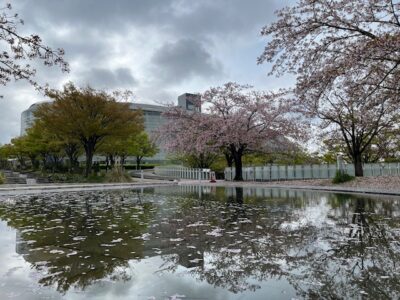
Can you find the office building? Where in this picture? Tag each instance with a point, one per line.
(152, 114)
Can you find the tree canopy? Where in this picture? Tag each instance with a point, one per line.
(89, 116)
(237, 120)
(346, 57)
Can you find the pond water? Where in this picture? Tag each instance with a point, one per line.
(199, 243)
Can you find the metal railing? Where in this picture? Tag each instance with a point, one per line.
(299, 172)
(178, 172)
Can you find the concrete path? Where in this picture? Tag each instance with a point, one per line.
(60, 187)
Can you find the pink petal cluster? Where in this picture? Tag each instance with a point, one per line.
(236, 120)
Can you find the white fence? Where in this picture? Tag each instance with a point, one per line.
(274, 172)
(183, 173)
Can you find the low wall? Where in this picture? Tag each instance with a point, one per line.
(299, 172)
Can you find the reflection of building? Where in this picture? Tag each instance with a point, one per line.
(153, 118)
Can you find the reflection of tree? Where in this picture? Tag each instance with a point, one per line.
(359, 221)
(78, 241)
(362, 260)
(342, 256)
(227, 241)
(231, 238)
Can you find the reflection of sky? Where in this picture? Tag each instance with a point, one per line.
(147, 282)
(316, 215)
(19, 281)
(306, 224)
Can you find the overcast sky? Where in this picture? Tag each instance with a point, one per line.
(159, 49)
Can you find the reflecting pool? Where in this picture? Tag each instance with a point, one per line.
(191, 242)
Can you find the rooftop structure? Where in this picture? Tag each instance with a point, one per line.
(190, 102)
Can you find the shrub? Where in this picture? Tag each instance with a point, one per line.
(72, 178)
(341, 177)
(63, 177)
(2, 178)
(117, 174)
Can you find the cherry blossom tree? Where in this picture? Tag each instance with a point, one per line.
(18, 49)
(184, 136)
(237, 120)
(346, 57)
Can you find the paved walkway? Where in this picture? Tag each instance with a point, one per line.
(142, 183)
(59, 187)
(394, 191)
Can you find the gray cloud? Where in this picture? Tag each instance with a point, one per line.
(106, 15)
(103, 78)
(207, 17)
(182, 60)
(225, 18)
(158, 48)
(9, 121)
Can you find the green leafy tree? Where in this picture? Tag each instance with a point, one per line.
(89, 116)
(114, 148)
(40, 143)
(141, 146)
(5, 154)
(56, 144)
(197, 160)
(383, 147)
(19, 150)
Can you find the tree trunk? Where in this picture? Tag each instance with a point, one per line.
(358, 167)
(107, 163)
(138, 160)
(229, 159)
(34, 162)
(44, 160)
(112, 160)
(89, 160)
(73, 162)
(71, 149)
(123, 159)
(237, 157)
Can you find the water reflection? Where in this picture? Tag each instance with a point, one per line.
(320, 245)
(78, 238)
